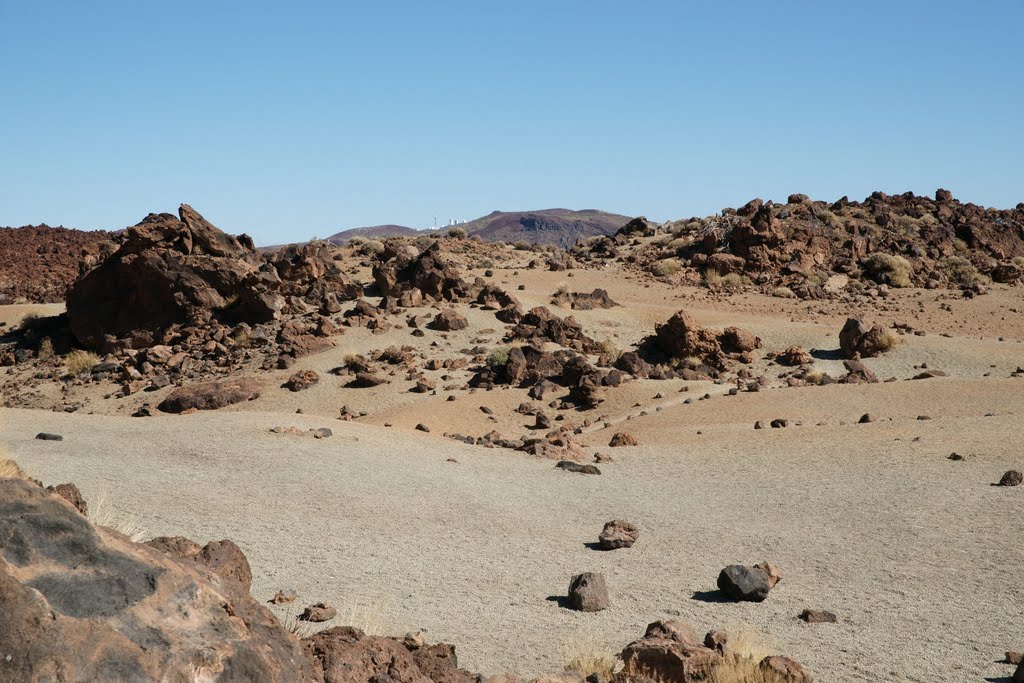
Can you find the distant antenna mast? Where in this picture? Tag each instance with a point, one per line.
(435, 222)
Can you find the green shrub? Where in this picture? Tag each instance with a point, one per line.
(457, 233)
(887, 269)
(371, 248)
(497, 359)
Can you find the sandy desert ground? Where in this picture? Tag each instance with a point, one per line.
(917, 554)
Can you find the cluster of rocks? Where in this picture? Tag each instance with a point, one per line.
(804, 244)
(546, 372)
(681, 339)
(672, 651)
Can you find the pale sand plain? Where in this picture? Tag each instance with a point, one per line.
(918, 555)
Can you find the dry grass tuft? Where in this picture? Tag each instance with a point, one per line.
(783, 293)
(103, 514)
(79, 361)
(666, 267)
(586, 654)
(745, 650)
(9, 469)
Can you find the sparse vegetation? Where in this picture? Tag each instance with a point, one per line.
(888, 269)
(961, 271)
(457, 233)
(497, 359)
(103, 514)
(79, 361)
(371, 248)
(746, 649)
(666, 267)
(587, 655)
(887, 342)
(45, 351)
(9, 469)
(783, 293)
(610, 350)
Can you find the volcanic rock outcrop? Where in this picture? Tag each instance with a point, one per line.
(183, 271)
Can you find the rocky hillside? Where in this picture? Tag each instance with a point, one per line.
(37, 262)
(812, 249)
(559, 227)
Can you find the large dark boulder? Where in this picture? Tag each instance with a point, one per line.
(168, 270)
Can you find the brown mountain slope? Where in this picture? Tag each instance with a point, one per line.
(373, 231)
(38, 262)
(560, 227)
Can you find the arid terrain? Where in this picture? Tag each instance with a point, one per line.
(834, 389)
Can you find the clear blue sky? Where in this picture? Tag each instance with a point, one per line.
(288, 120)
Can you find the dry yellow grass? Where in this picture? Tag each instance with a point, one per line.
(587, 654)
(9, 469)
(102, 513)
(744, 652)
(79, 361)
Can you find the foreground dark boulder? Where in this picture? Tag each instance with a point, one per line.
(83, 603)
(210, 395)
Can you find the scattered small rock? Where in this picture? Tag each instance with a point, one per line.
(47, 436)
(570, 466)
(814, 616)
(1011, 478)
(618, 533)
(319, 612)
(283, 597)
(621, 439)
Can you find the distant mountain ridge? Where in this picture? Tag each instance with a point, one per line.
(559, 227)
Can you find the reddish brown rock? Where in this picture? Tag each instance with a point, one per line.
(620, 439)
(303, 379)
(71, 494)
(211, 395)
(856, 338)
(794, 355)
(347, 655)
(222, 557)
(449, 320)
(815, 616)
(318, 612)
(669, 651)
(786, 670)
(618, 534)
